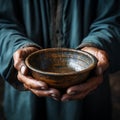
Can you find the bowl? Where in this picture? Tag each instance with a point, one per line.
(61, 67)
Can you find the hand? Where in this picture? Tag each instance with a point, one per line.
(82, 90)
(39, 88)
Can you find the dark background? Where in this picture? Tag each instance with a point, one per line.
(115, 89)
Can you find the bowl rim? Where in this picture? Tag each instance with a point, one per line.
(92, 66)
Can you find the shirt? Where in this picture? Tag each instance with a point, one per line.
(38, 22)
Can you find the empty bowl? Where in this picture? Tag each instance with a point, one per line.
(61, 67)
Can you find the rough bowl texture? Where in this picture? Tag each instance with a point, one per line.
(61, 67)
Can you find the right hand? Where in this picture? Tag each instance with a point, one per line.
(39, 88)
(80, 91)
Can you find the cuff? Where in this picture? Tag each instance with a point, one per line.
(31, 45)
(87, 44)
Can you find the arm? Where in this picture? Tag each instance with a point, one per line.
(105, 31)
(12, 37)
(12, 67)
(103, 42)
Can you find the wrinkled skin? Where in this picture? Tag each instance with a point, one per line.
(41, 89)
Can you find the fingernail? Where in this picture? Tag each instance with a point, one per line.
(72, 92)
(43, 88)
(53, 95)
(22, 69)
(55, 98)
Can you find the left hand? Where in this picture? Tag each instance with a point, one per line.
(82, 90)
(37, 87)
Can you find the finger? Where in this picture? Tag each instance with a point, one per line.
(98, 70)
(31, 82)
(103, 62)
(78, 96)
(20, 55)
(19, 64)
(53, 93)
(88, 86)
(102, 56)
(25, 87)
(18, 59)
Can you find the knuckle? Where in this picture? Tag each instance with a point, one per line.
(16, 58)
(38, 93)
(16, 64)
(18, 77)
(104, 59)
(17, 54)
(104, 55)
(29, 85)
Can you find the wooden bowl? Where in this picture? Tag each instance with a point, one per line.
(61, 67)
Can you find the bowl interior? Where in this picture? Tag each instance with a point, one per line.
(60, 61)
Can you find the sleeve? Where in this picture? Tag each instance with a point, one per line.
(105, 31)
(12, 37)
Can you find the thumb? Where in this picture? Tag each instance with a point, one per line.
(19, 64)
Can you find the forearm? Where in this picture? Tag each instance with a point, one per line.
(11, 39)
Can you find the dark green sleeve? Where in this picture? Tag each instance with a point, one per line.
(105, 31)
(12, 37)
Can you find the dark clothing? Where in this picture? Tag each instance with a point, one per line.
(60, 23)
